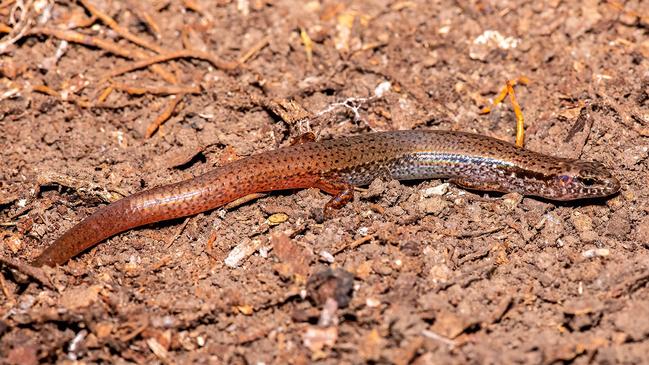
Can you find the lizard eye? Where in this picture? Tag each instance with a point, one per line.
(588, 181)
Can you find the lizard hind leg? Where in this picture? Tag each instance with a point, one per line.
(342, 193)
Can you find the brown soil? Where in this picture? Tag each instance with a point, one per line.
(402, 274)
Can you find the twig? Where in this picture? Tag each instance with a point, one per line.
(308, 46)
(33, 272)
(108, 46)
(473, 234)
(509, 90)
(83, 23)
(128, 337)
(82, 187)
(158, 90)
(20, 27)
(254, 49)
(434, 336)
(145, 17)
(241, 252)
(178, 232)
(105, 94)
(196, 7)
(68, 98)
(168, 111)
(355, 243)
(244, 200)
(520, 122)
(112, 24)
(187, 53)
(76, 37)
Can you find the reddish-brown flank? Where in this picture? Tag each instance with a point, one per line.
(469, 160)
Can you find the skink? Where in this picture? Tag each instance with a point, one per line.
(469, 160)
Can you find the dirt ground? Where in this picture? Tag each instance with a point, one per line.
(420, 272)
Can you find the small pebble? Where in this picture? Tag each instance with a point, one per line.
(382, 88)
(277, 218)
(598, 252)
(440, 189)
(372, 302)
(327, 257)
(362, 231)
